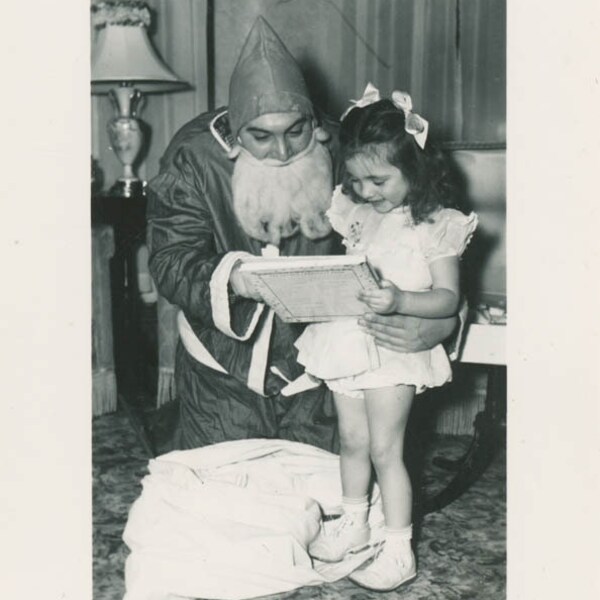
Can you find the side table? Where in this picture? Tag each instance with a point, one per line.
(484, 344)
(127, 218)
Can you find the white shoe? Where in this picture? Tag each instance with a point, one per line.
(338, 538)
(389, 569)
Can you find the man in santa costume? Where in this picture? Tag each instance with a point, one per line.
(254, 178)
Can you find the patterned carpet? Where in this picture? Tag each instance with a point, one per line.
(461, 550)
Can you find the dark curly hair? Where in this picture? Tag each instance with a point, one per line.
(379, 129)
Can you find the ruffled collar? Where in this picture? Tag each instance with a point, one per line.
(400, 210)
(403, 211)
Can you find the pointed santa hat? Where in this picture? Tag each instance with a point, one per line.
(266, 79)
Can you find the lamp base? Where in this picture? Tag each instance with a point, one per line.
(128, 188)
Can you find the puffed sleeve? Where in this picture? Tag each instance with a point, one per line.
(340, 211)
(448, 235)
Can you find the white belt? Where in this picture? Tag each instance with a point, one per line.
(260, 348)
(194, 346)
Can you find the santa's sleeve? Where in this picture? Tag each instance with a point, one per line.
(185, 266)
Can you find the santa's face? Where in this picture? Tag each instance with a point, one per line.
(277, 136)
(282, 178)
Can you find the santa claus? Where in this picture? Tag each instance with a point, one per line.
(254, 178)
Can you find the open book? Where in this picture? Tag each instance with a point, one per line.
(312, 288)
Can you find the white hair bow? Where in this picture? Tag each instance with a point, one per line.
(414, 124)
(370, 96)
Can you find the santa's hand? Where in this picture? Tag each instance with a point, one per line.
(243, 284)
(384, 300)
(403, 333)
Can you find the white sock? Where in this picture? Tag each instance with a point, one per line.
(357, 509)
(399, 538)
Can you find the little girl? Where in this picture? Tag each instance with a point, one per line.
(395, 207)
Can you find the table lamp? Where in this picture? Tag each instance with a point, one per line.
(124, 65)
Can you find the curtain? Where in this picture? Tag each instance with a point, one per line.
(483, 69)
(450, 55)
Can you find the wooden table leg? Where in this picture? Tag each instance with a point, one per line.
(489, 426)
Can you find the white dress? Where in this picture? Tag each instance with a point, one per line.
(339, 351)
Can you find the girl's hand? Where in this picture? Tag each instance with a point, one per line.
(385, 300)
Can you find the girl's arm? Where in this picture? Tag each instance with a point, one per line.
(441, 301)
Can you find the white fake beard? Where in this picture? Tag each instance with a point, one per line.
(273, 200)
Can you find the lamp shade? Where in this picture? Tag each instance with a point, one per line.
(124, 55)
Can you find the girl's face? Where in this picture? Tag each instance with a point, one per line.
(377, 181)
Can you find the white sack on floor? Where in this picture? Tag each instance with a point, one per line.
(233, 521)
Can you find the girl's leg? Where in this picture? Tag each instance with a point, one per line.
(350, 531)
(355, 461)
(387, 413)
(394, 563)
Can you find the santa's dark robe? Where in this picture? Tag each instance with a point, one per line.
(225, 392)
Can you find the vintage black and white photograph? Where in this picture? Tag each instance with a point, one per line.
(299, 299)
(255, 328)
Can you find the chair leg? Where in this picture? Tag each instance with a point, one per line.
(488, 427)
